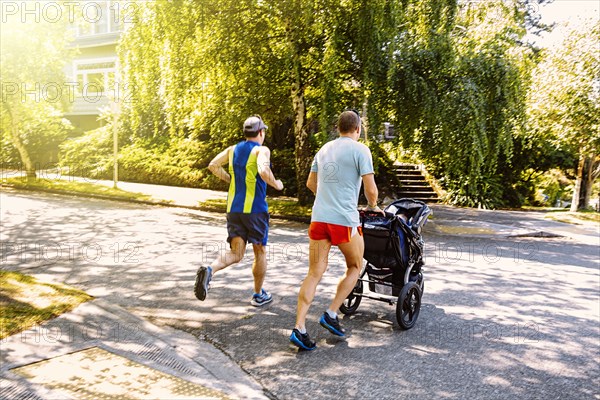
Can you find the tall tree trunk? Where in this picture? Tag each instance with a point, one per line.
(18, 143)
(586, 184)
(594, 175)
(578, 183)
(302, 145)
(364, 117)
(590, 174)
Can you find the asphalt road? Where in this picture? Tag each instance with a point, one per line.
(502, 318)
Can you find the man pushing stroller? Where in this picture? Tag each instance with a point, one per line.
(335, 178)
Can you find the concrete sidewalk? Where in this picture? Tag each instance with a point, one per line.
(101, 351)
(181, 196)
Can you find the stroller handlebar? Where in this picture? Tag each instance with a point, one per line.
(413, 214)
(370, 213)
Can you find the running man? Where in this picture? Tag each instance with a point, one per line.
(247, 210)
(335, 178)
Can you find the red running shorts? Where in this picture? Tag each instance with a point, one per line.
(336, 234)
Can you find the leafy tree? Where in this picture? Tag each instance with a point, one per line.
(564, 104)
(197, 68)
(34, 90)
(459, 77)
(451, 76)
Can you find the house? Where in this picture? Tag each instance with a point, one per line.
(94, 70)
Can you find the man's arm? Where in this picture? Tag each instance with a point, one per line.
(216, 165)
(371, 192)
(312, 181)
(264, 168)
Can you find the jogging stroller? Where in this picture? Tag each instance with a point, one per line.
(394, 260)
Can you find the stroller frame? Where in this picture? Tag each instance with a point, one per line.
(406, 284)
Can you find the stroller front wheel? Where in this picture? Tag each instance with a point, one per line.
(350, 305)
(409, 305)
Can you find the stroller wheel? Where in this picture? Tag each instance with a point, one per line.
(409, 305)
(350, 305)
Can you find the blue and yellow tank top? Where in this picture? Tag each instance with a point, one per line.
(247, 190)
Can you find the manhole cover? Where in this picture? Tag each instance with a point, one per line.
(97, 374)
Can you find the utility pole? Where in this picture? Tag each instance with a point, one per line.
(365, 120)
(115, 112)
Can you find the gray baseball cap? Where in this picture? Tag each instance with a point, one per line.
(254, 124)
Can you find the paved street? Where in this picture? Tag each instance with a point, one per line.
(502, 318)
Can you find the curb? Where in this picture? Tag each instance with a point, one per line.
(175, 353)
(301, 219)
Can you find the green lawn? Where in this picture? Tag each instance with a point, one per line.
(26, 302)
(574, 217)
(277, 207)
(74, 187)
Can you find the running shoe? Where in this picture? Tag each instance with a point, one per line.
(302, 340)
(259, 300)
(203, 277)
(332, 325)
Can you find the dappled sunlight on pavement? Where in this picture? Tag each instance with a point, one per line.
(502, 317)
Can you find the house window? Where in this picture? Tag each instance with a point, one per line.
(96, 76)
(100, 16)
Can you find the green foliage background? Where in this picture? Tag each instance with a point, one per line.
(453, 77)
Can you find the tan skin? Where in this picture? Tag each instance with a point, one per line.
(319, 251)
(238, 246)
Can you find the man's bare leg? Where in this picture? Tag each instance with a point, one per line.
(232, 256)
(259, 266)
(317, 264)
(204, 275)
(353, 252)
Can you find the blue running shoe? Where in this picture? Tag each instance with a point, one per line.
(302, 340)
(203, 277)
(259, 300)
(332, 325)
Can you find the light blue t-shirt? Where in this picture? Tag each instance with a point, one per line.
(339, 165)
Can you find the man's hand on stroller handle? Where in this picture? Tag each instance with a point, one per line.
(374, 209)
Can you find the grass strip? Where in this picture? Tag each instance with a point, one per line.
(74, 187)
(26, 302)
(277, 207)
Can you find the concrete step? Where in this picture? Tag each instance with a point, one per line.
(406, 170)
(416, 189)
(425, 199)
(410, 177)
(418, 192)
(416, 186)
(427, 195)
(408, 173)
(413, 182)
